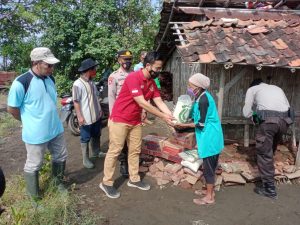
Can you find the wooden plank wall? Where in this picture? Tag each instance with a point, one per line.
(235, 97)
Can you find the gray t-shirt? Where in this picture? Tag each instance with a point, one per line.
(85, 93)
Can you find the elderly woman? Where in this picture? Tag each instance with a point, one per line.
(209, 135)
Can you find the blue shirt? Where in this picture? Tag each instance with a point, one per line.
(36, 98)
(138, 66)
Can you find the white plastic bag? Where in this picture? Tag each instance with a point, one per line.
(183, 108)
(189, 155)
(192, 166)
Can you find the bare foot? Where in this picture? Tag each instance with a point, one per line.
(201, 192)
(203, 201)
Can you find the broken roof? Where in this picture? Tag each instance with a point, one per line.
(257, 40)
(219, 35)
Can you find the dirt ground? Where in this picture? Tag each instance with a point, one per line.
(167, 206)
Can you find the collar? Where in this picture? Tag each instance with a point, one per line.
(37, 76)
(201, 95)
(84, 78)
(121, 71)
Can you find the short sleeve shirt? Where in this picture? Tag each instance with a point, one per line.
(126, 109)
(115, 83)
(85, 93)
(36, 98)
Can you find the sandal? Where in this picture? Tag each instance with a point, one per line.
(202, 192)
(203, 201)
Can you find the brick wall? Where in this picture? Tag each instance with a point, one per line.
(6, 77)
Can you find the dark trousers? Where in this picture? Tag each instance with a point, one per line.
(123, 157)
(267, 137)
(89, 131)
(209, 168)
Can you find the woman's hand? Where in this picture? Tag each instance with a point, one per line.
(183, 125)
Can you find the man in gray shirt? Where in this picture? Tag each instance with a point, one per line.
(88, 111)
(272, 114)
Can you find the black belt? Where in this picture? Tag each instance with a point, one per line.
(270, 113)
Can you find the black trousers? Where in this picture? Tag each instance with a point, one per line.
(267, 137)
(209, 168)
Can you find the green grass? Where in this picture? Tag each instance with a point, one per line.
(7, 124)
(54, 207)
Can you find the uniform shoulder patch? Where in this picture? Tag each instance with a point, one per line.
(110, 80)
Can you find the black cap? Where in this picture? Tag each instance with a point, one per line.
(124, 53)
(87, 64)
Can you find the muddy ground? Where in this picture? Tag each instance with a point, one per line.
(171, 205)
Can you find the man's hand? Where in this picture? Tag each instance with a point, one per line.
(168, 119)
(81, 120)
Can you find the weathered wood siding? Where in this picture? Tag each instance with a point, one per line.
(235, 97)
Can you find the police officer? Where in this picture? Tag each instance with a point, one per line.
(272, 114)
(115, 83)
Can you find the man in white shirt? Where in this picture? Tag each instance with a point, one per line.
(272, 114)
(88, 111)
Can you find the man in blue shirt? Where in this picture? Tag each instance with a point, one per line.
(32, 100)
(140, 65)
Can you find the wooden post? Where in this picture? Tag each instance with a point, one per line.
(294, 144)
(297, 162)
(221, 93)
(246, 135)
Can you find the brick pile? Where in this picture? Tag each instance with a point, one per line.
(237, 166)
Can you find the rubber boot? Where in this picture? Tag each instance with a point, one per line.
(85, 156)
(58, 170)
(268, 190)
(95, 145)
(32, 184)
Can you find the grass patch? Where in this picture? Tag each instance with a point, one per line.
(3, 98)
(54, 208)
(7, 124)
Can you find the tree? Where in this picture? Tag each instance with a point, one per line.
(75, 30)
(17, 25)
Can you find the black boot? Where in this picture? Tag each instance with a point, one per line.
(124, 169)
(58, 169)
(32, 184)
(268, 190)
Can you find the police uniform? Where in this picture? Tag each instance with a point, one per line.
(273, 111)
(115, 83)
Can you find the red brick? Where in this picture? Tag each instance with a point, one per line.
(162, 181)
(153, 143)
(176, 167)
(160, 165)
(187, 140)
(190, 172)
(166, 176)
(191, 179)
(153, 169)
(143, 169)
(158, 174)
(168, 168)
(172, 149)
(184, 184)
(233, 178)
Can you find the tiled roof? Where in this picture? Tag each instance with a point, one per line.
(266, 41)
